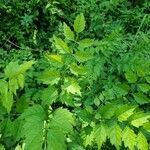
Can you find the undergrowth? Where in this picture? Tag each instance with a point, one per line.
(75, 75)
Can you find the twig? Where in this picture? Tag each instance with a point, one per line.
(15, 44)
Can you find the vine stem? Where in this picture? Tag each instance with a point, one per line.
(17, 45)
(14, 44)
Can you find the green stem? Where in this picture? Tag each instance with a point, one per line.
(134, 39)
(142, 22)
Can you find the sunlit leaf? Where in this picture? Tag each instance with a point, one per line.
(79, 23)
(67, 32)
(61, 45)
(100, 133)
(129, 138)
(142, 143)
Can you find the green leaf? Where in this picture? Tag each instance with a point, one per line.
(86, 43)
(60, 124)
(125, 111)
(25, 66)
(82, 56)
(5, 127)
(33, 132)
(115, 134)
(11, 69)
(125, 115)
(20, 147)
(75, 146)
(21, 80)
(100, 134)
(141, 71)
(144, 87)
(62, 120)
(13, 85)
(49, 77)
(67, 32)
(3, 87)
(79, 23)
(142, 143)
(139, 119)
(61, 45)
(17, 129)
(72, 86)
(55, 140)
(131, 76)
(121, 89)
(146, 126)
(55, 58)
(34, 111)
(147, 79)
(78, 69)
(129, 138)
(97, 101)
(33, 127)
(2, 147)
(141, 98)
(49, 95)
(107, 111)
(23, 103)
(88, 139)
(66, 98)
(3, 111)
(7, 101)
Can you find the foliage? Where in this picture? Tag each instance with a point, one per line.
(90, 90)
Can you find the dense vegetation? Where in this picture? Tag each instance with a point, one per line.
(75, 74)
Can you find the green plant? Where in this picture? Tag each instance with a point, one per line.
(28, 25)
(88, 94)
(116, 111)
(12, 81)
